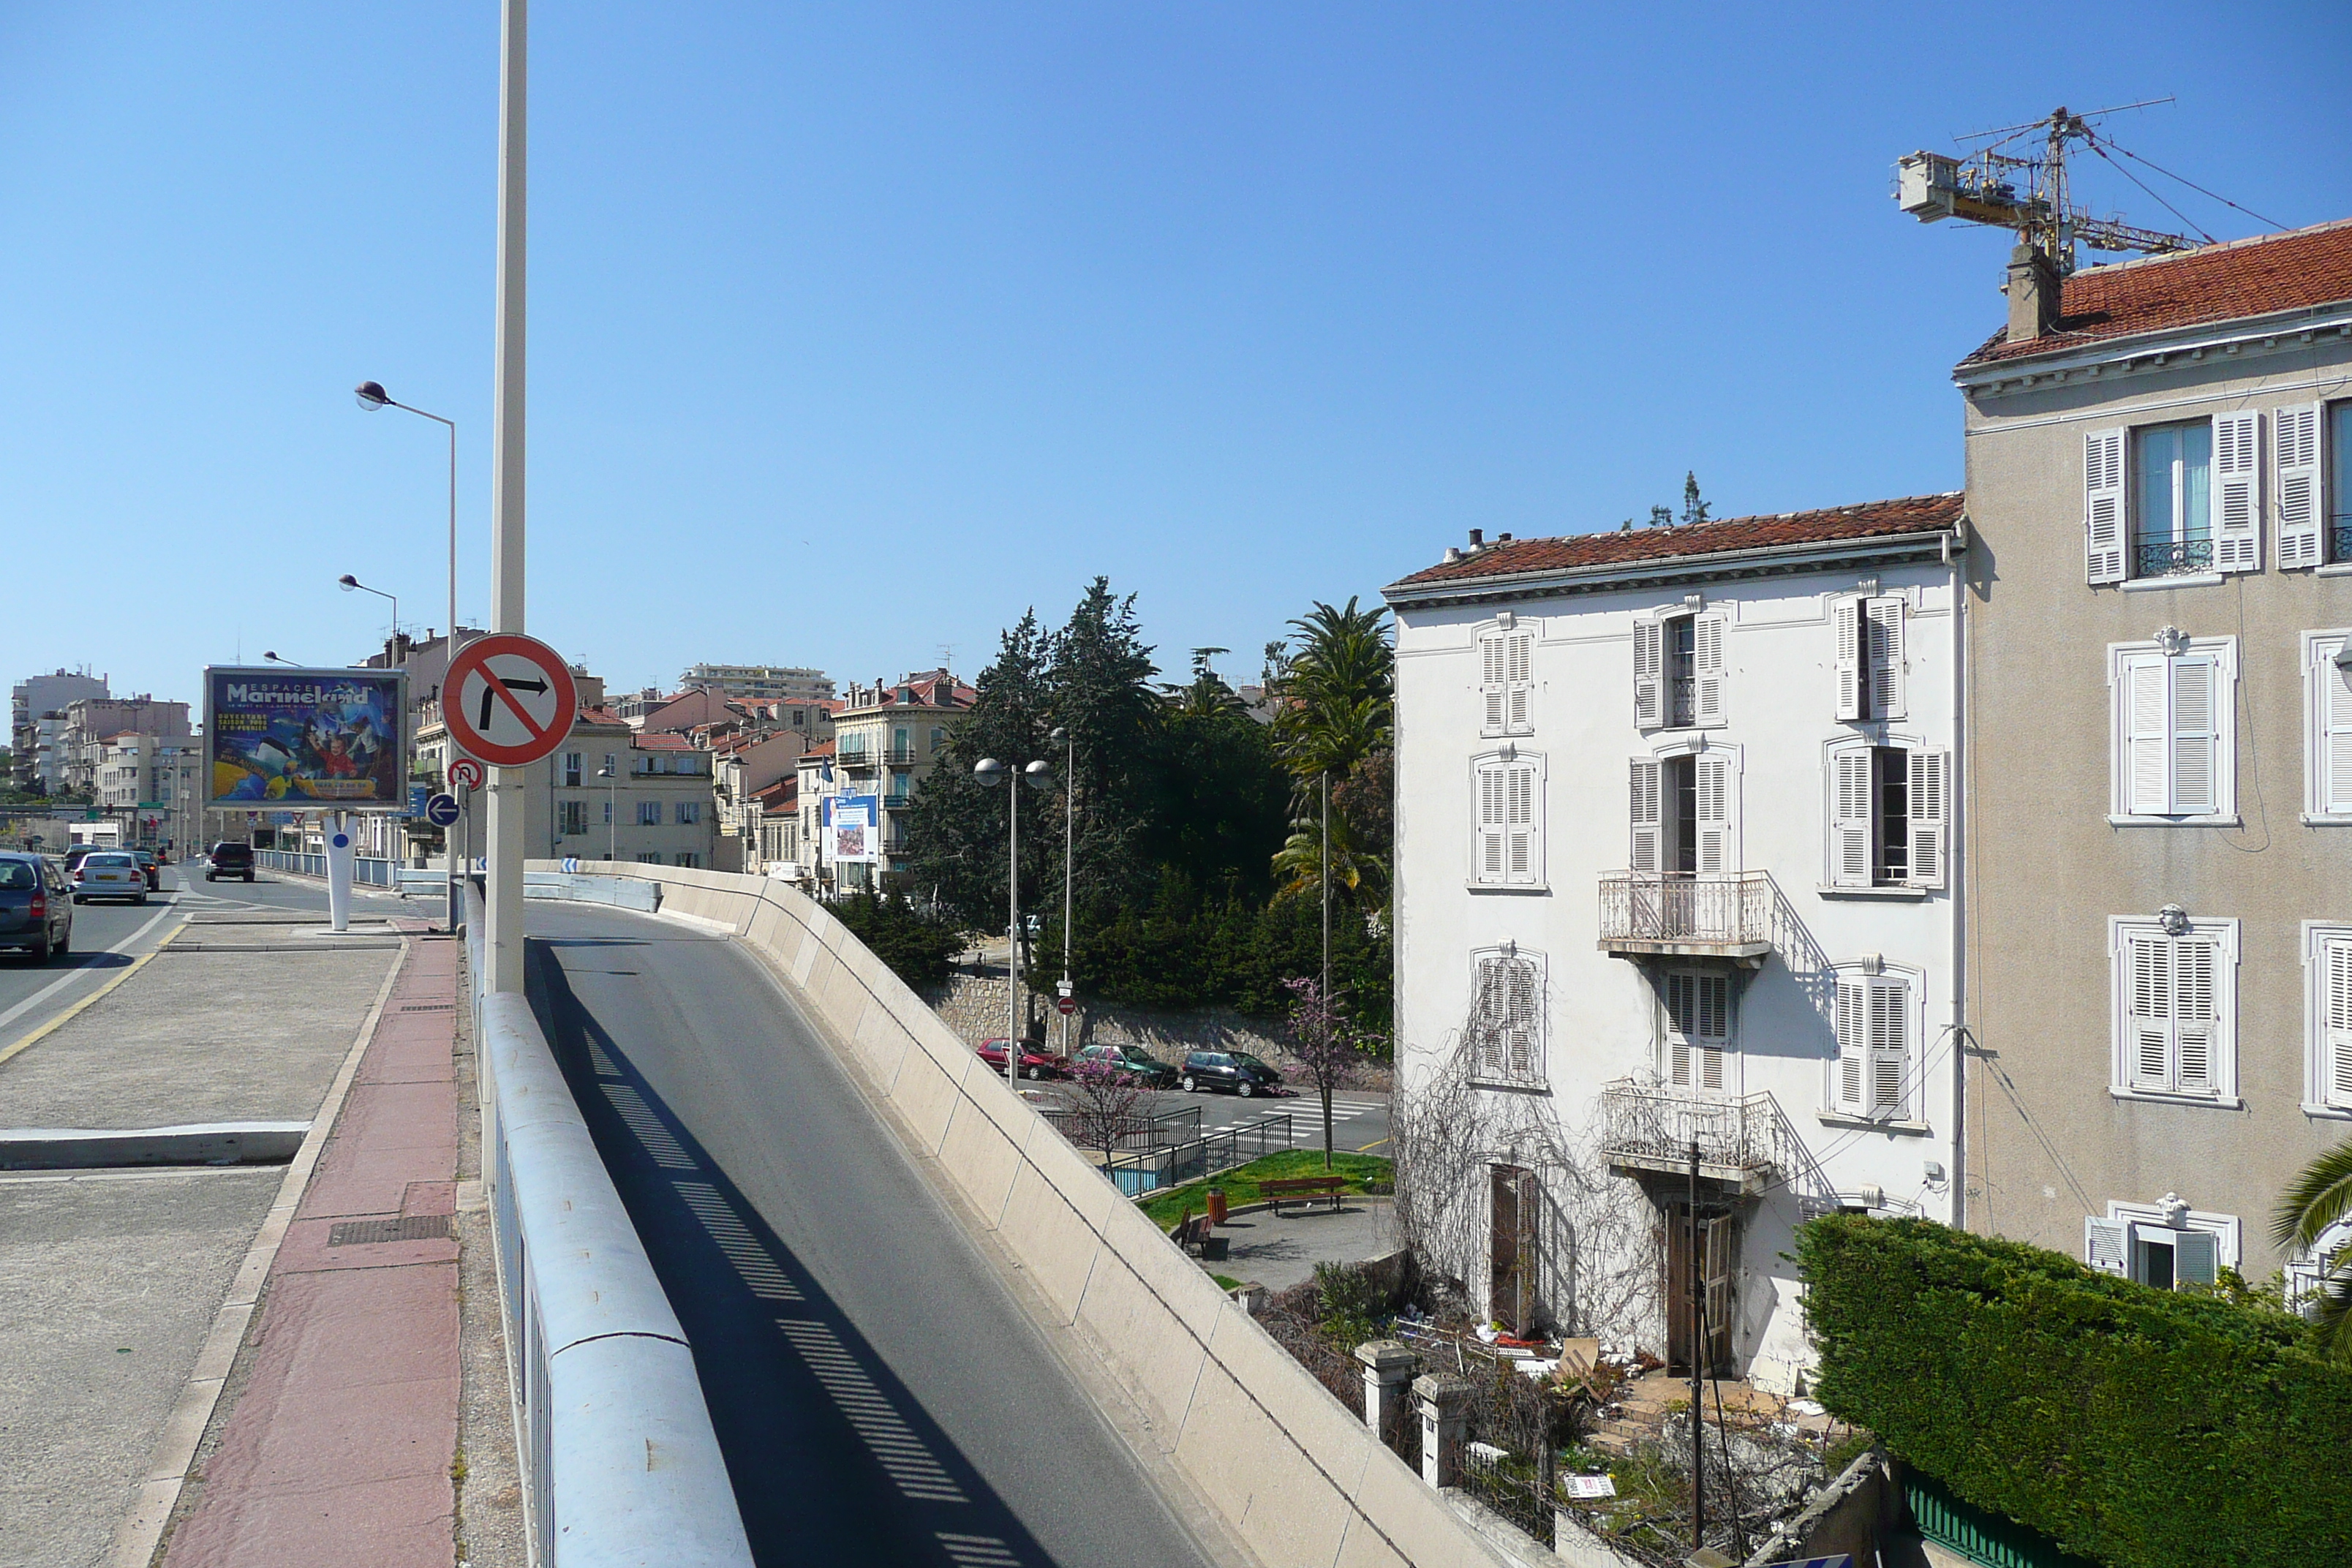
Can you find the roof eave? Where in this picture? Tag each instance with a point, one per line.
(1775, 560)
(2302, 323)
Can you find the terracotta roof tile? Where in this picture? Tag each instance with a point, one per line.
(664, 742)
(1529, 557)
(2297, 270)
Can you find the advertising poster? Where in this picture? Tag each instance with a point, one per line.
(852, 828)
(306, 739)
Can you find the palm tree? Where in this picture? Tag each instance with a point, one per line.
(2319, 1196)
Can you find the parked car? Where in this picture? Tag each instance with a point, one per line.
(229, 858)
(1036, 1062)
(151, 866)
(108, 874)
(36, 909)
(1129, 1061)
(1239, 1071)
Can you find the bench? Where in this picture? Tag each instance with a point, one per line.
(1199, 1237)
(1305, 1188)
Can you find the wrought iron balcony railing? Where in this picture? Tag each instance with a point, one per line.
(2339, 543)
(1726, 916)
(1743, 1142)
(2171, 557)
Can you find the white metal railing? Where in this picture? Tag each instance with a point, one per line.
(366, 871)
(1661, 1125)
(1733, 910)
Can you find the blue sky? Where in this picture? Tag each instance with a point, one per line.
(858, 329)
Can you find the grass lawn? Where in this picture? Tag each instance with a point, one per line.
(1165, 1208)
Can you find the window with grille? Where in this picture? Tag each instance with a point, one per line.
(1678, 670)
(2175, 729)
(1698, 1029)
(1506, 1024)
(2176, 1004)
(1507, 842)
(1878, 1045)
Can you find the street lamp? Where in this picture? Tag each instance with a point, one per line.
(1069, 845)
(989, 770)
(347, 583)
(612, 812)
(373, 396)
(291, 664)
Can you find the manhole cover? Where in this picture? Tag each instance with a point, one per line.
(415, 1228)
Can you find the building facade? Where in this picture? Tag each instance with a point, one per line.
(1673, 844)
(885, 739)
(36, 708)
(762, 681)
(2160, 479)
(92, 722)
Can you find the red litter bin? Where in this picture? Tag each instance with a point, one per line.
(1216, 1206)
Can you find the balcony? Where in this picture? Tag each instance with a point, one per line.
(1645, 915)
(2172, 557)
(899, 756)
(2340, 542)
(1743, 1144)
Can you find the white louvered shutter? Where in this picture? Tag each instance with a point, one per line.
(2103, 506)
(2336, 1021)
(2147, 736)
(1494, 789)
(2237, 491)
(1850, 814)
(2196, 1024)
(1649, 672)
(1647, 825)
(1492, 680)
(2332, 725)
(1845, 620)
(1522, 1022)
(1494, 1002)
(1519, 825)
(1698, 1009)
(1890, 1056)
(1853, 1024)
(1707, 668)
(1518, 682)
(1682, 1010)
(2302, 507)
(1885, 654)
(2106, 1244)
(1930, 808)
(1715, 805)
(2196, 1257)
(2197, 760)
(2148, 1011)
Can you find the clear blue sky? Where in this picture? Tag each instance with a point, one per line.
(856, 328)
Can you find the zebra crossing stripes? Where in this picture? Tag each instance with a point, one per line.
(752, 1261)
(641, 1120)
(874, 1418)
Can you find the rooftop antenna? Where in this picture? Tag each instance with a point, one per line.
(1983, 188)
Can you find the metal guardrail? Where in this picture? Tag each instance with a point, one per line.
(1148, 1170)
(1730, 910)
(620, 1466)
(366, 872)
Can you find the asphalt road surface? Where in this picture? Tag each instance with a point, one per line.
(878, 1394)
(1359, 1122)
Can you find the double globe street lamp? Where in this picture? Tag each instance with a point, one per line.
(989, 770)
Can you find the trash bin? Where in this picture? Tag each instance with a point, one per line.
(1216, 1206)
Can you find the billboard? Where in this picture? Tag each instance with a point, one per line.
(306, 739)
(852, 828)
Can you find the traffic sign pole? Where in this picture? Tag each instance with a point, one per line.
(503, 943)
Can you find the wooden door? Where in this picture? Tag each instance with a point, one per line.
(1716, 1238)
(1514, 1206)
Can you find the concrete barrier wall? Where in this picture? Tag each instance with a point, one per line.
(620, 1466)
(1294, 1472)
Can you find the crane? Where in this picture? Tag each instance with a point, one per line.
(1983, 187)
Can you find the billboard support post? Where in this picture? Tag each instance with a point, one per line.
(503, 939)
(339, 871)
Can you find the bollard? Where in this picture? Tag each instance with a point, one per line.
(1389, 1369)
(1444, 1415)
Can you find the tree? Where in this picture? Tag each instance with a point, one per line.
(917, 947)
(1695, 511)
(2319, 1196)
(1098, 688)
(1103, 1100)
(1328, 1048)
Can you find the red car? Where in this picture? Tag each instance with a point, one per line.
(1034, 1063)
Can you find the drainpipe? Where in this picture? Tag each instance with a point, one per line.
(1959, 863)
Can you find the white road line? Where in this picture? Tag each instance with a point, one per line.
(71, 975)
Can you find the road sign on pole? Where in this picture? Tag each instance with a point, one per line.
(1065, 1006)
(465, 773)
(441, 811)
(509, 699)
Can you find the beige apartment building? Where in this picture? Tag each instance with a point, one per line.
(2158, 891)
(886, 738)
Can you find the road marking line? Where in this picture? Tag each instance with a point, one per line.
(1373, 1145)
(69, 976)
(138, 963)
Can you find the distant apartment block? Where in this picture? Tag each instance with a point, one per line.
(34, 762)
(762, 681)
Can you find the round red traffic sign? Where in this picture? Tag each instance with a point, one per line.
(1065, 1006)
(465, 773)
(509, 699)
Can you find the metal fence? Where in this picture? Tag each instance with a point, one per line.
(366, 871)
(1162, 1130)
(1148, 1170)
(1734, 910)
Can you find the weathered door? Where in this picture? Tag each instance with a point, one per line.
(1515, 1205)
(1716, 1239)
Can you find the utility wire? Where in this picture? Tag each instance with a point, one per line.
(2101, 150)
(2195, 186)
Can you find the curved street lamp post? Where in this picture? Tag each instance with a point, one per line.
(989, 770)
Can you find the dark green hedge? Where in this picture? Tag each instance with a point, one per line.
(2142, 1428)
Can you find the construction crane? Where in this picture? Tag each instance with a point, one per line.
(1983, 187)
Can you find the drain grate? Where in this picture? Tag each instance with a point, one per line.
(427, 1007)
(415, 1228)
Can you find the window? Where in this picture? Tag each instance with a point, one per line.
(1506, 1033)
(2191, 502)
(2176, 989)
(1877, 1034)
(649, 814)
(1870, 657)
(571, 770)
(608, 803)
(2175, 742)
(1698, 1028)
(651, 858)
(690, 812)
(1506, 681)
(1677, 669)
(688, 859)
(1888, 807)
(1506, 850)
(574, 817)
(1684, 816)
(2328, 727)
(2165, 1245)
(938, 739)
(2314, 525)
(2327, 981)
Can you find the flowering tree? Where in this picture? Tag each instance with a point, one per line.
(1328, 1048)
(1105, 1099)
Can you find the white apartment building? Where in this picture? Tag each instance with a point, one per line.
(1674, 838)
(765, 682)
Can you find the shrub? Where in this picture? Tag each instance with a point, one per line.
(918, 947)
(2141, 1428)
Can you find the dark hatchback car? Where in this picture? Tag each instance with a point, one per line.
(229, 858)
(36, 907)
(1238, 1071)
(1130, 1062)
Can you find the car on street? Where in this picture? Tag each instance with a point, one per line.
(151, 866)
(36, 909)
(1235, 1071)
(1129, 1061)
(79, 853)
(108, 874)
(229, 858)
(1035, 1062)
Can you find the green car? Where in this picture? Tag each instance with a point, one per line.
(1132, 1061)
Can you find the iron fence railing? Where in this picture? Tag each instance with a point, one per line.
(2171, 557)
(369, 872)
(1150, 1170)
(1134, 1132)
(1731, 910)
(1661, 1125)
(2339, 542)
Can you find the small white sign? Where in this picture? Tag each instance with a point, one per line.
(1585, 1488)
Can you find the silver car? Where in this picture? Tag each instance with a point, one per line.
(110, 874)
(36, 912)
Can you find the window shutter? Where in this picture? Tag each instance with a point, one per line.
(1681, 1007)
(2237, 491)
(2196, 1257)
(1519, 683)
(1698, 1025)
(1647, 823)
(1519, 827)
(1649, 670)
(1520, 1027)
(2333, 724)
(2103, 1245)
(1714, 1033)
(2103, 506)
(1845, 618)
(2194, 1022)
(1715, 853)
(1853, 1046)
(1850, 817)
(2196, 734)
(1492, 660)
(1884, 625)
(2301, 503)
(2336, 1021)
(2148, 1011)
(1492, 1005)
(1929, 799)
(1494, 789)
(2147, 737)
(1707, 668)
(1889, 1058)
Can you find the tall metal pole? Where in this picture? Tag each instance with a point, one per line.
(1012, 1031)
(448, 653)
(1326, 880)
(1069, 847)
(509, 802)
(1697, 1341)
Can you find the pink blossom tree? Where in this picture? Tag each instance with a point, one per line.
(1329, 1051)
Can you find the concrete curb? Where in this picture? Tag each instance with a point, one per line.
(195, 1143)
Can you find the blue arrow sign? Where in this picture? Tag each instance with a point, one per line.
(441, 811)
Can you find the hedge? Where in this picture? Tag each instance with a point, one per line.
(2142, 1428)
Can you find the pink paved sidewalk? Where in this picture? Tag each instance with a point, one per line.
(339, 1449)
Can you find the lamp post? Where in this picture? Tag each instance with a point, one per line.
(291, 664)
(347, 583)
(989, 770)
(612, 810)
(1069, 847)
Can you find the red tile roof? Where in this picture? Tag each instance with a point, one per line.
(2297, 270)
(1529, 557)
(661, 742)
(822, 749)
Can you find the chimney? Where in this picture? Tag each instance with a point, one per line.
(2033, 292)
(1477, 539)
